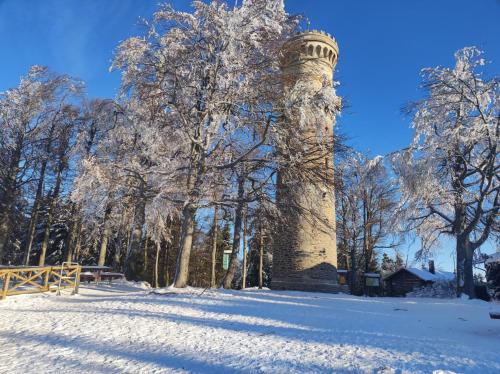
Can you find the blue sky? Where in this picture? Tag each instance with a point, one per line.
(383, 45)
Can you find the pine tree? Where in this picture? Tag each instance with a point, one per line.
(399, 262)
(388, 265)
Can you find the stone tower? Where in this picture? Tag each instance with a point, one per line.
(305, 252)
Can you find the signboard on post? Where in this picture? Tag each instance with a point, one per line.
(372, 284)
(225, 259)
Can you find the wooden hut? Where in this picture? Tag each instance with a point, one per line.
(493, 275)
(406, 280)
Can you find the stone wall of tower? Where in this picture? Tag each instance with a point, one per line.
(305, 251)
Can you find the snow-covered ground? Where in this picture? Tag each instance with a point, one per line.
(126, 329)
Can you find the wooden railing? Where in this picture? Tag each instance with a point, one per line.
(23, 280)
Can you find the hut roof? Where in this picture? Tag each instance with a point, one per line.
(425, 275)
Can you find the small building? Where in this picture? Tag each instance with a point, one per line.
(343, 277)
(406, 280)
(365, 283)
(493, 275)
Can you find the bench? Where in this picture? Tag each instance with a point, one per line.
(87, 277)
(99, 273)
(110, 276)
(495, 315)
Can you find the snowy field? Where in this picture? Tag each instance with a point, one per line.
(126, 329)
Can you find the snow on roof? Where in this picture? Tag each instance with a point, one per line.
(422, 274)
(495, 257)
(428, 276)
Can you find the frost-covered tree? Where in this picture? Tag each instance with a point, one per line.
(450, 173)
(61, 163)
(253, 187)
(98, 118)
(367, 198)
(30, 115)
(387, 265)
(109, 192)
(211, 77)
(261, 231)
(390, 265)
(61, 118)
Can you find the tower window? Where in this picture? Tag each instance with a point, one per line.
(318, 51)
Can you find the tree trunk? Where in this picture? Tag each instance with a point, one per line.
(75, 256)
(214, 247)
(353, 247)
(261, 258)
(50, 214)
(129, 240)
(131, 261)
(145, 262)
(469, 272)
(186, 242)
(46, 234)
(233, 262)
(465, 274)
(157, 262)
(34, 214)
(365, 248)
(118, 248)
(244, 277)
(352, 274)
(4, 234)
(166, 264)
(38, 196)
(105, 236)
(71, 236)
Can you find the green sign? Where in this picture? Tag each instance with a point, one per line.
(372, 282)
(225, 261)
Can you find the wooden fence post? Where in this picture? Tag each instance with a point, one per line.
(46, 279)
(5, 285)
(77, 279)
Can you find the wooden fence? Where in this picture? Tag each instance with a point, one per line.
(23, 280)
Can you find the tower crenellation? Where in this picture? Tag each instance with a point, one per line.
(310, 49)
